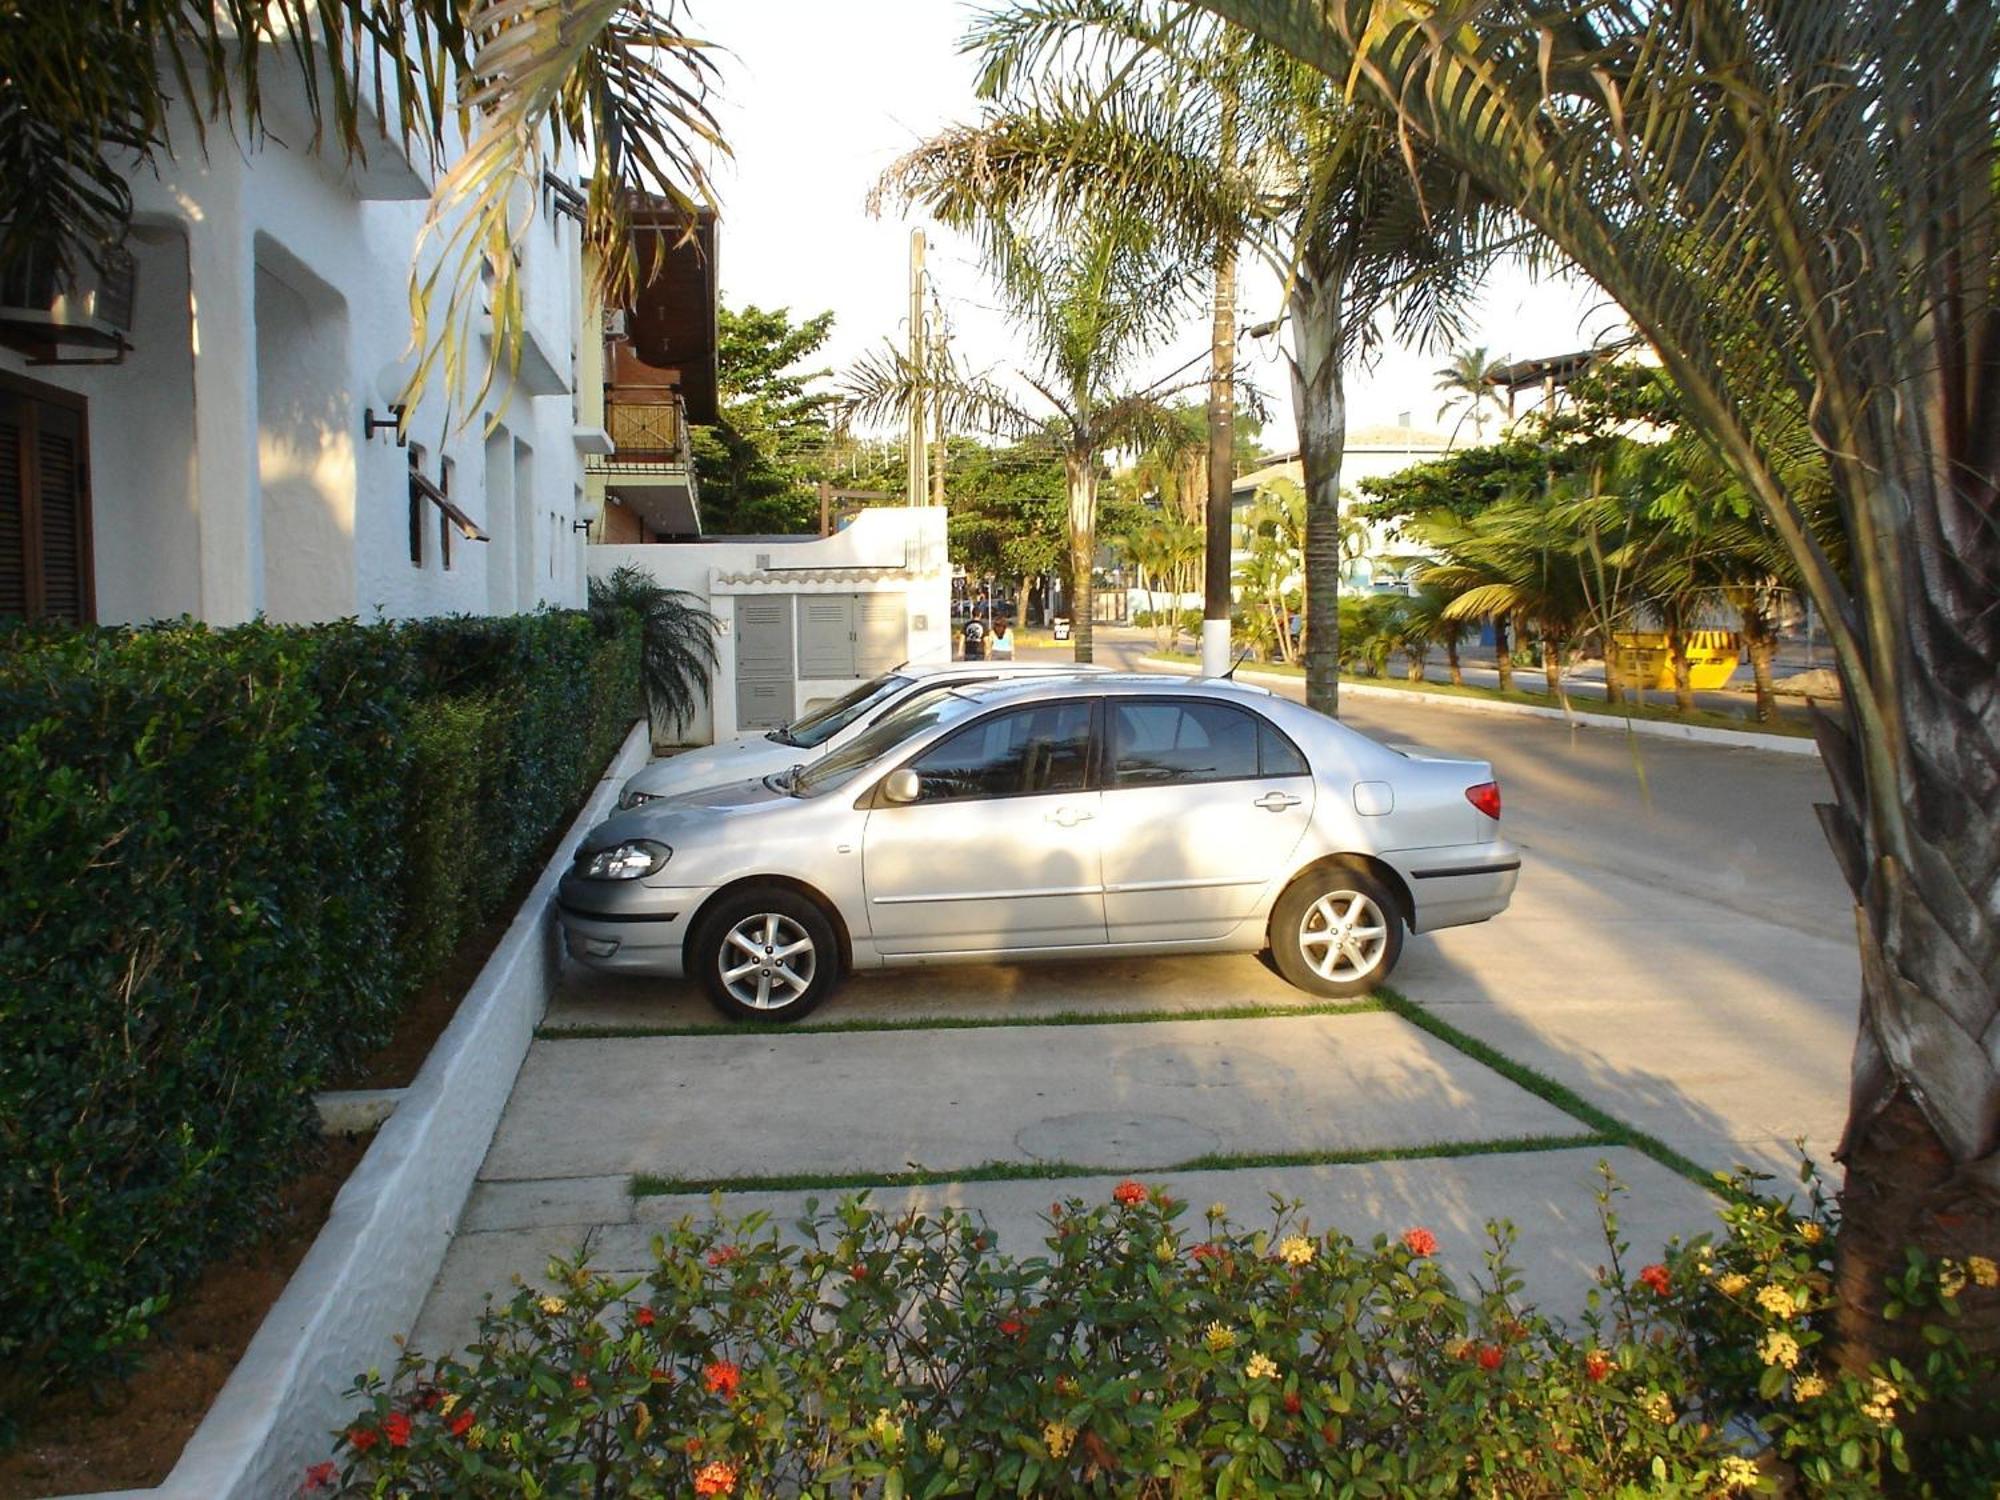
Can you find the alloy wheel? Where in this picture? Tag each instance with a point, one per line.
(1342, 936)
(767, 961)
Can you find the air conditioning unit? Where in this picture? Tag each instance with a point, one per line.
(614, 323)
(92, 308)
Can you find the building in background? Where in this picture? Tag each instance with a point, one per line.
(208, 429)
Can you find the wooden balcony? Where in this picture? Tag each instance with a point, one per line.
(646, 431)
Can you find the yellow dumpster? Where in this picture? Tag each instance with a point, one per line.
(1643, 659)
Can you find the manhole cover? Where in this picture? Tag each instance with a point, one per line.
(1111, 1138)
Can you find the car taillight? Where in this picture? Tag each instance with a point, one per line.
(1485, 797)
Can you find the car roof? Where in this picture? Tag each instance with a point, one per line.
(996, 669)
(1121, 684)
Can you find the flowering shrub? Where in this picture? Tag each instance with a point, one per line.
(1141, 1354)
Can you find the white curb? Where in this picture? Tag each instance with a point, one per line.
(365, 1278)
(1746, 739)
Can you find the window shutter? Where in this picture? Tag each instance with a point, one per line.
(65, 565)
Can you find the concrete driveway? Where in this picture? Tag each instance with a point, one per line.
(1678, 954)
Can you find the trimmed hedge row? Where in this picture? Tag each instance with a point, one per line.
(230, 858)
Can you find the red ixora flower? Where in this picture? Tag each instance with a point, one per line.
(461, 1422)
(722, 1378)
(361, 1439)
(858, 1271)
(1014, 1328)
(427, 1398)
(1129, 1192)
(1205, 1251)
(723, 1255)
(715, 1478)
(1656, 1277)
(320, 1476)
(579, 1381)
(1490, 1356)
(1420, 1242)
(644, 1317)
(1292, 1402)
(1597, 1364)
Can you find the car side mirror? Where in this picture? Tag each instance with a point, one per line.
(902, 785)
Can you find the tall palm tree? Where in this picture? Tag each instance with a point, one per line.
(1468, 390)
(495, 86)
(1091, 302)
(1133, 122)
(1798, 206)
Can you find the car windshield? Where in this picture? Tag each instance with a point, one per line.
(878, 740)
(823, 723)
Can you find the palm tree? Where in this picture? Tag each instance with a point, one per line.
(496, 85)
(1277, 553)
(1090, 302)
(1808, 244)
(1468, 388)
(676, 647)
(1135, 123)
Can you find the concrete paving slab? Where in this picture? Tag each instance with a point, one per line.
(1725, 1035)
(547, 1202)
(961, 992)
(1120, 1097)
(1549, 1196)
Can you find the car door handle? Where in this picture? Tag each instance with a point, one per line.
(1069, 817)
(1276, 801)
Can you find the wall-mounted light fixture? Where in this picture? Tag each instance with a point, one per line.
(372, 424)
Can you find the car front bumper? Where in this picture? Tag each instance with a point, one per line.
(626, 926)
(1458, 883)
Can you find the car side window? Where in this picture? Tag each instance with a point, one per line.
(1181, 743)
(1279, 755)
(1041, 748)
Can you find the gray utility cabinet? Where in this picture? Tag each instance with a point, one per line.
(783, 638)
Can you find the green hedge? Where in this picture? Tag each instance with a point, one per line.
(231, 857)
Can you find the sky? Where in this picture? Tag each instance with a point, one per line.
(818, 97)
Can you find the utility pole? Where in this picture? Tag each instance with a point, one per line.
(941, 350)
(919, 455)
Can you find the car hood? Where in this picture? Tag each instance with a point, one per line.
(672, 817)
(749, 755)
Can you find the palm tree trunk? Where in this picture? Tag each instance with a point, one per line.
(1614, 675)
(1503, 656)
(1081, 472)
(1221, 423)
(1021, 604)
(1762, 646)
(1552, 668)
(1319, 402)
(1677, 654)
(1451, 661)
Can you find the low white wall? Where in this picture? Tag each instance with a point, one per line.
(365, 1278)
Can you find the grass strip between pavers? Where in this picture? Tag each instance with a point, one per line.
(647, 1185)
(966, 1023)
(1610, 1130)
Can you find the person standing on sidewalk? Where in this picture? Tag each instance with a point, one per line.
(1002, 646)
(975, 641)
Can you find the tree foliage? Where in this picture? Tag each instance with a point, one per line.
(759, 464)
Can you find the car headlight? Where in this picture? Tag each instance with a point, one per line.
(631, 860)
(632, 799)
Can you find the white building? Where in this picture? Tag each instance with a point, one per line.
(231, 452)
(802, 618)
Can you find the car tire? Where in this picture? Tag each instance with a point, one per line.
(1307, 943)
(766, 954)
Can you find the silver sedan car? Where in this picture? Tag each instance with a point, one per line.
(1057, 818)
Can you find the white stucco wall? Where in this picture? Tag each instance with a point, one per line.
(894, 550)
(180, 452)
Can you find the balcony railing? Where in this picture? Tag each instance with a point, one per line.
(650, 430)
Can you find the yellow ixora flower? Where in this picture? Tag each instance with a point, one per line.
(1261, 1368)
(1737, 1474)
(1295, 1250)
(1811, 1233)
(1779, 1349)
(1220, 1337)
(553, 1305)
(1656, 1405)
(1218, 1210)
(884, 1428)
(1777, 1301)
(1881, 1403)
(1733, 1284)
(1983, 1270)
(1951, 1278)
(1058, 1437)
(933, 1442)
(1808, 1387)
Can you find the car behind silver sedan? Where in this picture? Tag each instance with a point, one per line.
(819, 731)
(1049, 819)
